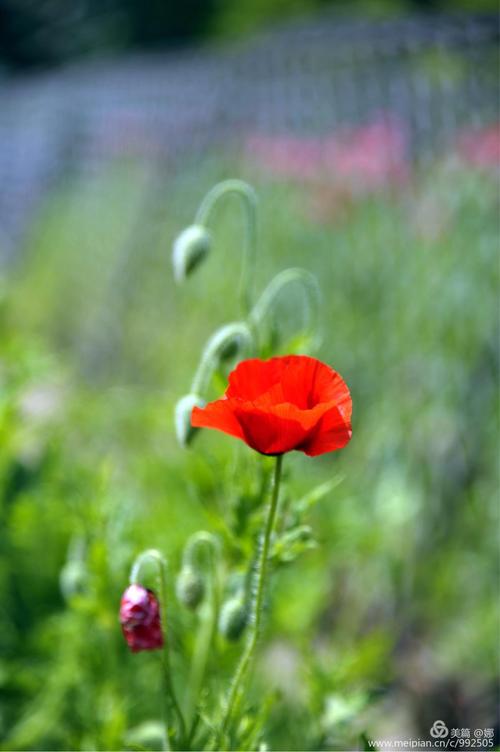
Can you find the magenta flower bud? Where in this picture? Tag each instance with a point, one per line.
(140, 619)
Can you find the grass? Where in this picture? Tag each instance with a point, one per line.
(393, 613)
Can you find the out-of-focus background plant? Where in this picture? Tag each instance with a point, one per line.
(374, 144)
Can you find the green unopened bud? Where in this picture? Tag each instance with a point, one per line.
(190, 248)
(185, 432)
(190, 588)
(238, 343)
(72, 578)
(233, 619)
(310, 304)
(226, 342)
(148, 735)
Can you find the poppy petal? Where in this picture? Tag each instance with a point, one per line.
(270, 432)
(298, 380)
(331, 387)
(332, 432)
(307, 418)
(282, 404)
(253, 377)
(218, 415)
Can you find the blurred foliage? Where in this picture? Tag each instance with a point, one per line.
(391, 615)
(46, 33)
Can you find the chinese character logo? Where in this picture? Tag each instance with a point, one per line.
(439, 730)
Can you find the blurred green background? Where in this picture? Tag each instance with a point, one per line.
(392, 621)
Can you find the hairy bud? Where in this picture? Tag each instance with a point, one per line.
(233, 619)
(140, 619)
(185, 432)
(72, 578)
(190, 248)
(190, 588)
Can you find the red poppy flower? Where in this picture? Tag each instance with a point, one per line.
(281, 404)
(140, 619)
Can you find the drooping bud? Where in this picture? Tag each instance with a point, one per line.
(238, 341)
(189, 250)
(147, 735)
(185, 432)
(73, 575)
(140, 619)
(309, 304)
(233, 618)
(227, 341)
(249, 198)
(190, 588)
(72, 578)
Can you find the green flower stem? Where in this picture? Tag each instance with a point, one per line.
(311, 301)
(249, 198)
(257, 608)
(204, 644)
(170, 696)
(208, 619)
(167, 670)
(215, 346)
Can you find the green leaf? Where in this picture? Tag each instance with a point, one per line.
(319, 492)
(147, 735)
(292, 544)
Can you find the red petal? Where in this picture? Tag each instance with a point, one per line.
(268, 432)
(285, 403)
(298, 379)
(252, 378)
(308, 382)
(332, 432)
(331, 387)
(218, 415)
(283, 409)
(144, 637)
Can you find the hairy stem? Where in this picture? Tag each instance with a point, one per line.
(310, 303)
(249, 198)
(167, 670)
(238, 331)
(169, 693)
(208, 622)
(246, 659)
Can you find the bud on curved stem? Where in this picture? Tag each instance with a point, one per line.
(73, 574)
(195, 545)
(184, 431)
(228, 340)
(233, 618)
(201, 543)
(190, 586)
(311, 300)
(249, 198)
(154, 555)
(189, 250)
(237, 334)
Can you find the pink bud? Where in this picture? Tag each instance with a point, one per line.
(140, 619)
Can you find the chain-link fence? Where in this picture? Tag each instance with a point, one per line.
(338, 110)
(431, 76)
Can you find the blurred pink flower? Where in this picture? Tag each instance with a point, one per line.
(286, 156)
(369, 157)
(359, 160)
(481, 148)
